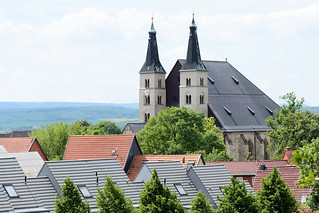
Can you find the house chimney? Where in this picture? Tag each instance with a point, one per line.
(262, 166)
(201, 153)
(155, 153)
(219, 160)
(287, 148)
(251, 159)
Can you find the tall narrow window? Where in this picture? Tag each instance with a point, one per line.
(201, 81)
(188, 82)
(147, 83)
(147, 116)
(201, 99)
(147, 100)
(159, 100)
(188, 99)
(159, 83)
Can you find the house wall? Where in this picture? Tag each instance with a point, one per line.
(240, 150)
(127, 131)
(249, 178)
(37, 148)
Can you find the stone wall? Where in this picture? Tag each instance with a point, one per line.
(242, 145)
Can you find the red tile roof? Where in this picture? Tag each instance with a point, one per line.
(290, 174)
(16, 144)
(184, 159)
(98, 146)
(247, 167)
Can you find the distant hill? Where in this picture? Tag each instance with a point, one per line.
(312, 109)
(31, 116)
(21, 105)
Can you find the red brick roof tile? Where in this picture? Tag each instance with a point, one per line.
(138, 160)
(98, 146)
(247, 167)
(16, 144)
(290, 174)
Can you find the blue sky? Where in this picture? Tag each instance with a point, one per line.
(92, 51)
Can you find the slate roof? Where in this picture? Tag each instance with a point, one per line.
(210, 179)
(91, 173)
(30, 162)
(12, 174)
(98, 146)
(135, 126)
(290, 174)
(183, 159)
(15, 134)
(174, 173)
(234, 101)
(247, 167)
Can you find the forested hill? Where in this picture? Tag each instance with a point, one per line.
(27, 116)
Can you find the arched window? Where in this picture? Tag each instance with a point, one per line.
(146, 116)
(159, 83)
(201, 99)
(201, 81)
(159, 99)
(147, 83)
(188, 82)
(147, 99)
(188, 99)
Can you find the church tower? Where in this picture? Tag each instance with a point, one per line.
(193, 90)
(152, 92)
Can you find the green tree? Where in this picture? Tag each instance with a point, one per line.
(236, 199)
(156, 198)
(71, 201)
(104, 128)
(200, 204)
(291, 126)
(275, 195)
(53, 139)
(307, 158)
(79, 127)
(111, 199)
(177, 130)
(218, 154)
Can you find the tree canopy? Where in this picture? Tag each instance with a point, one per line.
(236, 199)
(156, 198)
(275, 195)
(111, 199)
(179, 130)
(291, 126)
(71, 199)
(200, 204)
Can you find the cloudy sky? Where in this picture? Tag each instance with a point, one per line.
(92, 51)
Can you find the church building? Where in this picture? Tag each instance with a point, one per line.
(215, 88)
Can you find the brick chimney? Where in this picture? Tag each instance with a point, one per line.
(251, 159)
(287, 148)
(219, 160)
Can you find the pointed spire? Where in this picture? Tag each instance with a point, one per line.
(193, 59)
(152, 62)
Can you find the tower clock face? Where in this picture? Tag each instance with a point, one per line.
(147, 92)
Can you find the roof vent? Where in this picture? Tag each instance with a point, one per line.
(262, 166)
(269, 110)
(183, 160)
(227, 110)
(235, 79)
(211, 80)
(250, 110)
(113, 152)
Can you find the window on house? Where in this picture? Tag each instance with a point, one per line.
(147, 83)
(180, 189)
(84, 191)
(188, 82)
(10, 191)
(147, 100)
(201, 99)
(147, 117)
(201, 81)
(159, 100)
(188, 99)
(159, 83)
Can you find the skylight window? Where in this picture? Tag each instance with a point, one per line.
(11, 191)
(180, 189)
(84, 191)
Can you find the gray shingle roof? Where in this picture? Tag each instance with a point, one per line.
(43, 190)
(83, 172)
(210, 179)
(136, 127)
(174, 173)
(236, 103)
(12, 174)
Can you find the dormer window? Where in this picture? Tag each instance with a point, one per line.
(147, 83)
(188, 82)
(11, 191)
(84, 191)
(180, 189)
